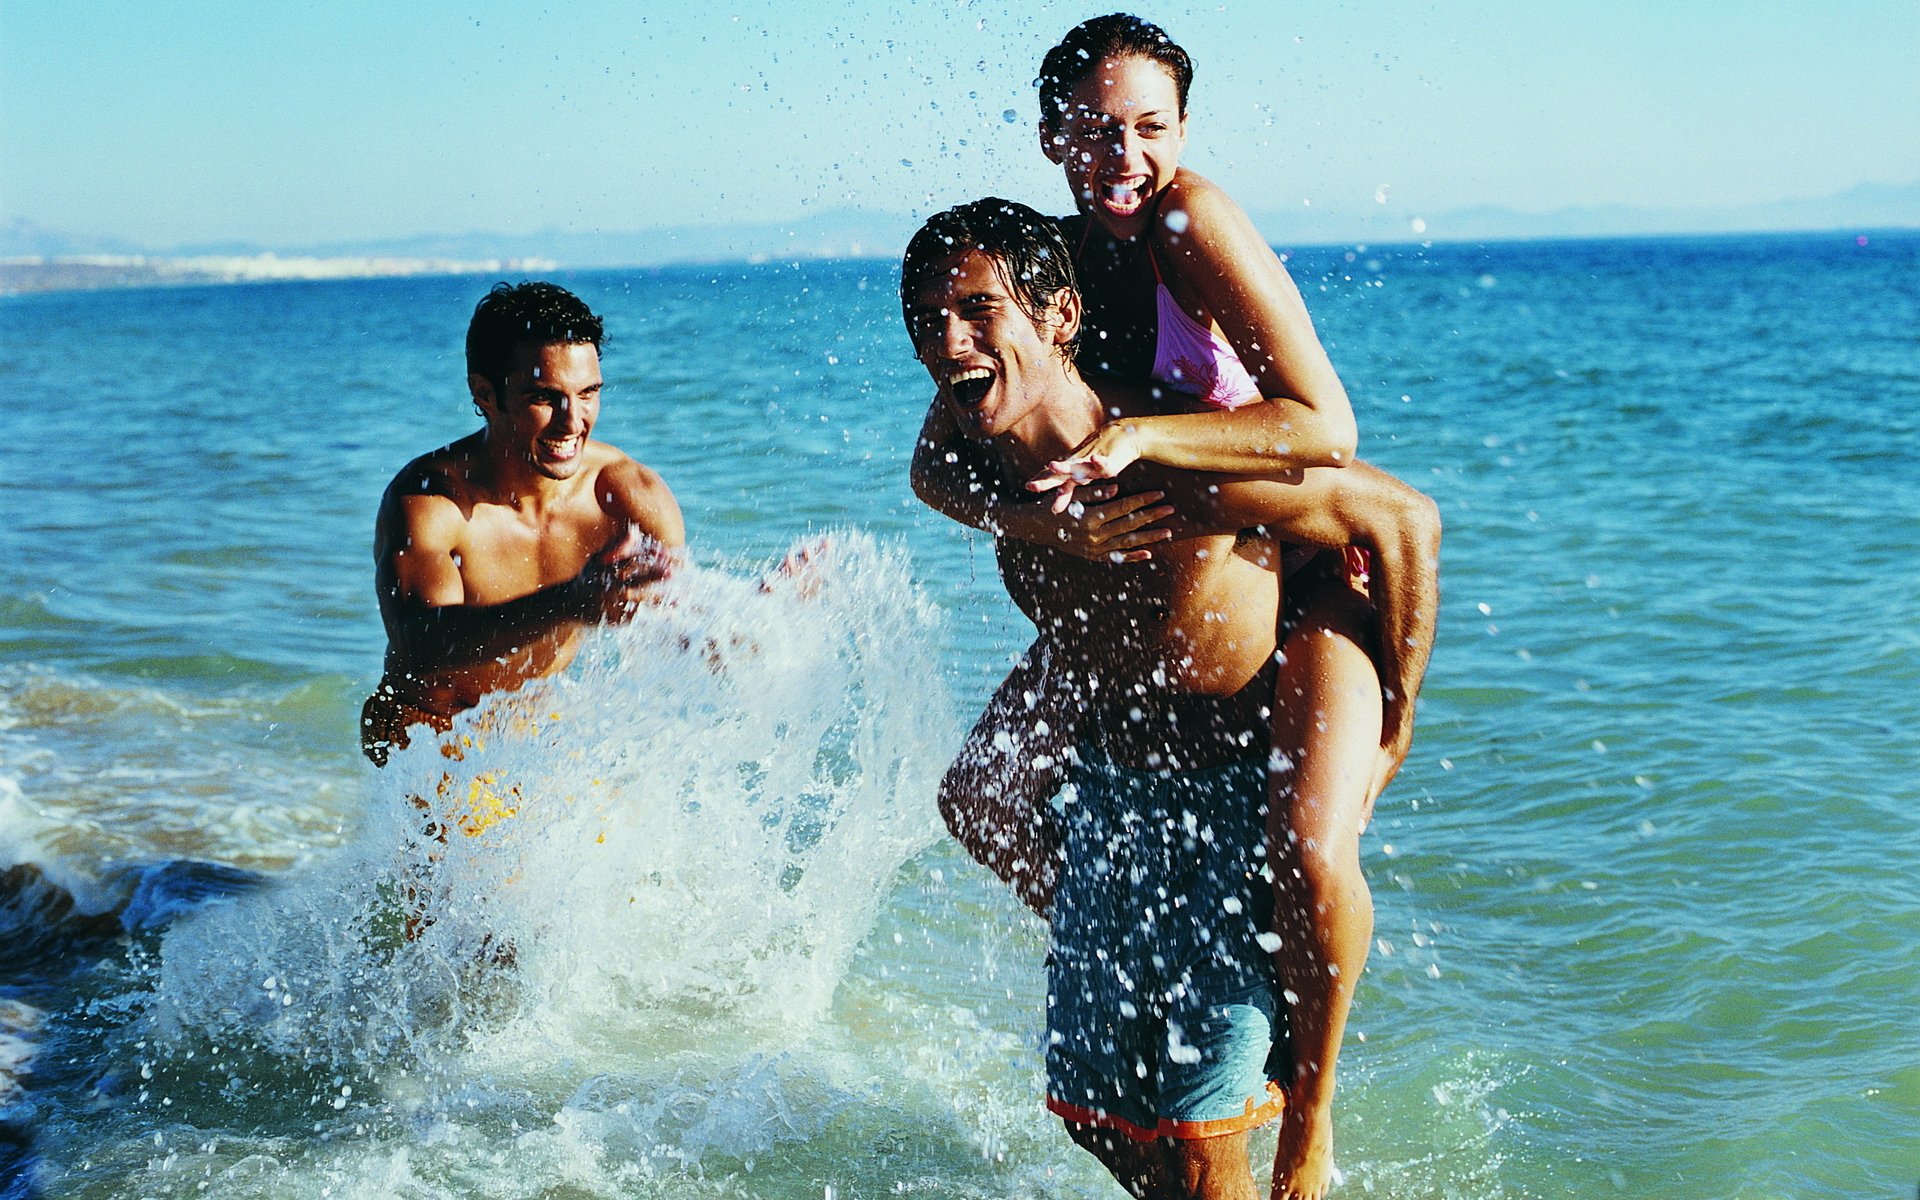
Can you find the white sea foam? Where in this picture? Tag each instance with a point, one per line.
(29, 839)
(708, 811)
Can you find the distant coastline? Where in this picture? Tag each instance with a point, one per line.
(34, 259)
(88, 272)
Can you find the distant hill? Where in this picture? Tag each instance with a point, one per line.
(25, 239)
(848, 233)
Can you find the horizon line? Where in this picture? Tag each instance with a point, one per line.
(36, 274)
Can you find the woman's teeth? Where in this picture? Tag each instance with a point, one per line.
(1124, 197)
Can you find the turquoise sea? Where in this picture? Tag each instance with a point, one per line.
(1647, 903)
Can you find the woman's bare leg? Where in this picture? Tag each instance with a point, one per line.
(1327, 722)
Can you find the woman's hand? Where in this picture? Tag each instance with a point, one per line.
(1111, 450)
(1097, 523)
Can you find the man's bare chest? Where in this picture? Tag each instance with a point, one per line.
(507, 554)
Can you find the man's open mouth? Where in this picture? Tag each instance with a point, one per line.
(970, 387)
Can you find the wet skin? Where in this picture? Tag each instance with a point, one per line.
(1153, 663)
(494, 554)
(1119, 142)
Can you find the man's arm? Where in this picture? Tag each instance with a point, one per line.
(960, 479)
(640, 504)
(1360, 505)
(648, 541)
(431, 625)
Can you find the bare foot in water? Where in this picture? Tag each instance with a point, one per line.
(1303, 1163)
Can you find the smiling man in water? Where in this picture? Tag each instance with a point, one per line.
(1150, 692)
(494, 554)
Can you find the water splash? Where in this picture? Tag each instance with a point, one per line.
(657, 871)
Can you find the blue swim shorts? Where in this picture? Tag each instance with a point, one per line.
(1161, 1012)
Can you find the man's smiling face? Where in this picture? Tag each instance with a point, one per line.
(992, 362)
(548, 407)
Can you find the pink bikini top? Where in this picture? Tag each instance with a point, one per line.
(1192, 358)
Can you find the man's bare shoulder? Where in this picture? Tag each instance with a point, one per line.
(429, 500)
(629, 489)
(444, 473)
(617, 474)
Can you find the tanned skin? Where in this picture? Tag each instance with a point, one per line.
(493, 555)
(1165, 661)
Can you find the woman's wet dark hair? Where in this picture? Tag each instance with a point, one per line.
(1025, 245)
(537, 314)
(1092, 42)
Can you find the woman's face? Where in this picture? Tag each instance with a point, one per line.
(1119, 142)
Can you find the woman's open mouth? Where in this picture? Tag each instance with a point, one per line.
(1125, 197)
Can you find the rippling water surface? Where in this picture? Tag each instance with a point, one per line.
(1645, 890)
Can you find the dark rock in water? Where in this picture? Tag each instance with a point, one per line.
(17, 1159)
(164, 891)
(41, 922)
(45, 934)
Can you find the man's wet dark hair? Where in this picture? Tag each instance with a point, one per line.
(1026, 246)
(1092, 42)
(536, 314)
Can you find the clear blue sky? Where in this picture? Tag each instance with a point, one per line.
(283, 124)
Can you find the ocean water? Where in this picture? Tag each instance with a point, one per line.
(1646, 898)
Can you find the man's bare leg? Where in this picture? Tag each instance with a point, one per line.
(1136, 1166)
(994, 796)
(1212, 1168)
(1327, 725)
